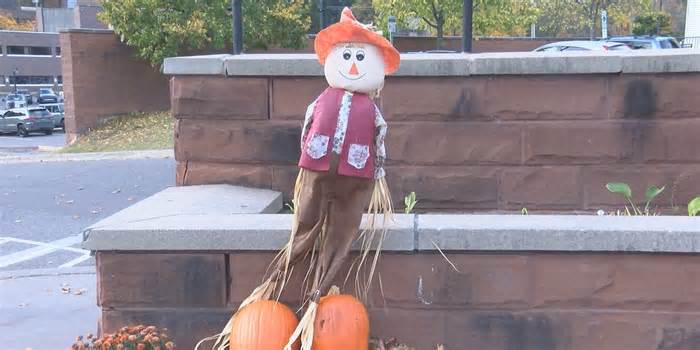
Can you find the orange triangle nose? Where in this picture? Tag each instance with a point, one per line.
(353, 70)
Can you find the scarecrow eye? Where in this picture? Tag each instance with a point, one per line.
(347, 54)
(360, 55)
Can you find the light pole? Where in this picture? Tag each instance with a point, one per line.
(14, 76)
(391, 24)
(467, 13)
(237, 13)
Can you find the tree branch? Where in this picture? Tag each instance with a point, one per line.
(429, 23)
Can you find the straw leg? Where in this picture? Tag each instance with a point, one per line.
(344, 218)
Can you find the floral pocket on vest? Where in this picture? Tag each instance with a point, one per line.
(317, 147)
(358, 155)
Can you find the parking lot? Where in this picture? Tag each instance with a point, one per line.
(10, 143)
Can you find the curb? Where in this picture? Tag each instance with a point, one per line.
(16, 274)
(92, 156)
(19, 149)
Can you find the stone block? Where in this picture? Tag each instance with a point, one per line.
(452, 99)
(226, 141)
(540, 188)
(589, 142)
(161, 280)
(545, 97)
(670, 141)
(655, 96)
(291, 95)
(443, 187)
(446, 144)
(217, 97)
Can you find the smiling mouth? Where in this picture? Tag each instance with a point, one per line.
(347, 77)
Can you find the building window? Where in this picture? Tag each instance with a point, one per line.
(15, 50)
(31, 80)
(58, 51)
(40, 50)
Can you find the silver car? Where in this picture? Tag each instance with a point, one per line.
(56, 110)
(15, 101)
(582, 45)
(27, 120)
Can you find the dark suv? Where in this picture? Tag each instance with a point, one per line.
(647, 42)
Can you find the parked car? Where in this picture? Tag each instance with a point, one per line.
(15, 101)
(648, 42)
(56, 110)
(24, 121)
(46, 96)
(582, 45)
(26, 94)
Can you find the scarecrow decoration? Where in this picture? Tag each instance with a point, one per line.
(341, 174)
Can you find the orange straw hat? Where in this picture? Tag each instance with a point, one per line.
(349, 30)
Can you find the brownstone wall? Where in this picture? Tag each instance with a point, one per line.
(103, 78)
(525, 301)
(414, 44)
(479, 143)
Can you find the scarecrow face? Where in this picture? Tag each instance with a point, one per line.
(355, 67)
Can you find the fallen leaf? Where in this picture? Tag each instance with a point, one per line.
(116, 191)
(80, 291)
(65, 290)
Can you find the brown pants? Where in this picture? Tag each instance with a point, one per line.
(336, 202)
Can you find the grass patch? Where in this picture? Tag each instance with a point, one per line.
(131, 132)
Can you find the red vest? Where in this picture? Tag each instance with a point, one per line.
(358, 152)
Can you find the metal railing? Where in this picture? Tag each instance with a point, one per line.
(692, 42)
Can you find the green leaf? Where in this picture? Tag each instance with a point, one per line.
(620, 188)
(652, 192)
(694, 206)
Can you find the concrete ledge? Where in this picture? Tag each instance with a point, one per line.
(196, 65)
(451, 64)
(670, 234)
(240, 232)
(179, 205)
(425, 232)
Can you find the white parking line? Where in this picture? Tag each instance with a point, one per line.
(39, 250)
(50, 244)
(75, 261)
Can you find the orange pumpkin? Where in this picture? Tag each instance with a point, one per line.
(341, 323)
(262, 325)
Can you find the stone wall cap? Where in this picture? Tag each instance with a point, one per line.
(195, 65)
(87, 30)
(452, 64)
(217, 232)
(189, 201)
(559, 233)
(408, 232)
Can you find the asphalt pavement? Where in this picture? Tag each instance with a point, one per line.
(47, 282)
(44, 206)
(15, 144)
